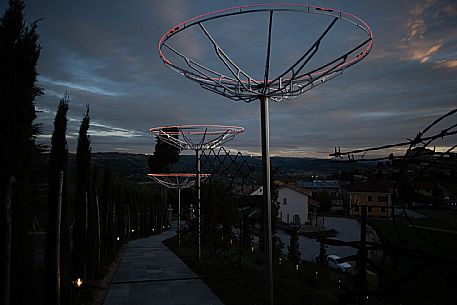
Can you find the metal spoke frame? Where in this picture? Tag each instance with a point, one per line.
(212, 136)
(239, 85)
(176, 180)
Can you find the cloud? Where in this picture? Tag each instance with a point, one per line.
(430, 32)
(102, 130)
(423, 53)
(452, 64)
(78, 86)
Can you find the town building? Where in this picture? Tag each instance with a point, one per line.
(295, 206)
(376, 196)
(327, 190)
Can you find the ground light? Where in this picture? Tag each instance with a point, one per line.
(78, 282)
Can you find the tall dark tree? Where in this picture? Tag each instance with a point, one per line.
(82, 187)
(294, 248)
(93, 240)
(19, 53)
(57, 163)
(108, 213)
(322, 253)
(164, 154)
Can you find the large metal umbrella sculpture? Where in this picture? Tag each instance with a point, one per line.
(309, 69)
(197, 138)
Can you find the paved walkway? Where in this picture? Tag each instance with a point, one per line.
(151, 274)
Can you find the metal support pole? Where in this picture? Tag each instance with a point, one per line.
(99, 244)
(197, 154)
(179, 217)
(362, 255)
(240, 245)
(59, 217)
(85, 238)
(267, 201)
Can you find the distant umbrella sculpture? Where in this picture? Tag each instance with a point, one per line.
(197, 138)
(177, 181)
(238, 84)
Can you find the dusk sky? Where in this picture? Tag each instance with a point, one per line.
(104, 53)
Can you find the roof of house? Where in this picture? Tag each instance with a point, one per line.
(314, 203)
(369, 187)
(295, 188)
(319, 184)
(258, 192)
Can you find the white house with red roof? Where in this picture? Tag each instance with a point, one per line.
(295, 206)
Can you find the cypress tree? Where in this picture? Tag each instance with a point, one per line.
(164, 154)
(57, 162)
(107, 212)
(83, 154)
(294, 250)
(19, 53)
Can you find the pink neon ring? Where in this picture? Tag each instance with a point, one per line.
(193, 20)
(182, 129)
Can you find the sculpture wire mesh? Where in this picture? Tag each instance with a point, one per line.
(233, 169)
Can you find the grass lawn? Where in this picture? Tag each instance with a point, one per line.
(443, 219)
(426, 273)
(245, 285)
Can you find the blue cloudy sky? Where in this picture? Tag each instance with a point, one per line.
(104, 53)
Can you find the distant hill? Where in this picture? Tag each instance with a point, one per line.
(136, 166)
